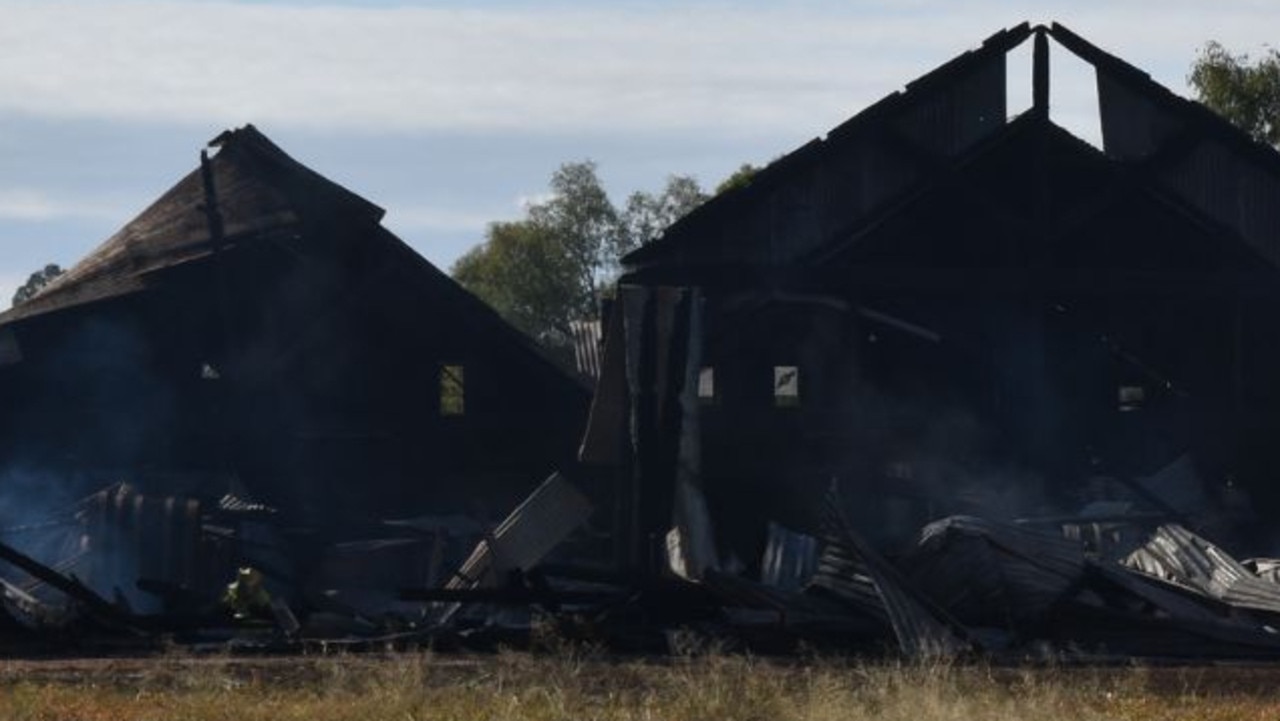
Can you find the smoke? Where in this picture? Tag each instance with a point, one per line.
(103, 539)
(90, 398)
(37, 518)
(943, 455)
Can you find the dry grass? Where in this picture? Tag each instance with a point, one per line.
(570, 685)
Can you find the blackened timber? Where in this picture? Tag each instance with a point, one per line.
(92, 602)
(214, 217)
(1237, 353)
(1081, 281)
(983, 281)
(639, 312)
(664, 342)
(954, 175)
(223, 403)
(1040, 73)
(516, 596)
(779, 172)
(1034, 346)
(1141, 82)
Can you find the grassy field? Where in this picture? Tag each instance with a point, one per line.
(576, 686)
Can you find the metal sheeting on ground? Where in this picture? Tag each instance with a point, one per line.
(1178, 556)
(790, 558)
(991, 573)
(849, 566)
(536, 526)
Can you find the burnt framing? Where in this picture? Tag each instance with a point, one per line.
(257, 334)
(987, 315)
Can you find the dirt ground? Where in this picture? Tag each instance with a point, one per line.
(274, 670)
(1250, 679)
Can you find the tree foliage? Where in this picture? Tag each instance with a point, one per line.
(646, 216)
(1243, 91)
(581, 221)
(35, 282)
(740, 178)
(524, 273)
(546, 270)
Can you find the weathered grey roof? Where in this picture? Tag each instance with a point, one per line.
(259, 188)
(262, 194)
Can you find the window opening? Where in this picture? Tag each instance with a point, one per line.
(707, 385)
(1131, 398)
(786, 386)
(452, 390)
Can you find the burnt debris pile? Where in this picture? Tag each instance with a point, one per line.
(127, 570)
(947, 381)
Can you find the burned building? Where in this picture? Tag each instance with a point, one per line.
(950, 376)
(256, 336)
(945, 306)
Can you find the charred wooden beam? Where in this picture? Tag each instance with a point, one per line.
(1040, 73)
(517, 596)
(94, 604)
(1050, 280)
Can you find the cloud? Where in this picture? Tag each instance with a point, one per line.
(31, 205)
(452, 117)
(745, 69)
(26, 205)
(436, 219)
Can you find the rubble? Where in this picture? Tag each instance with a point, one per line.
(967, 586)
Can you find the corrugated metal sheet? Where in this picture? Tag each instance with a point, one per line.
(851, 569)
(587, 346)
(1178, 556)
(991, 573)
(143, 536)
(790, 558)
(544, 519)
(602, 441)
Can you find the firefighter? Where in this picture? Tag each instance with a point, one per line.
(246, 597)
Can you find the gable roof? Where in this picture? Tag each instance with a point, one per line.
(817, 197)
(259, 190)
(261, 194)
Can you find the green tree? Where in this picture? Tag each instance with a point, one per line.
(523, 271)
(581, 221)
(1243, 91)
(548, 269)
(647, 215)
(740, 178)
(35, 282)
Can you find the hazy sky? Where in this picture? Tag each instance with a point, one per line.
(451, 114)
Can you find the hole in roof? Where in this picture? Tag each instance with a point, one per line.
(1073, 95)
(1018, 79)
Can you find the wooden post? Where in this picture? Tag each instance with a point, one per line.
(1040, 73)
(224, 408)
